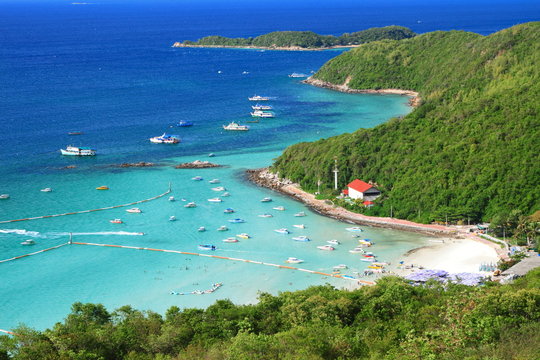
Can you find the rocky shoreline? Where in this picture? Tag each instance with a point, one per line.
(197, 164)
(139, 164)
(283, 48)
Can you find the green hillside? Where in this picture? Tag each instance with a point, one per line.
(470, 150)
(307, 39)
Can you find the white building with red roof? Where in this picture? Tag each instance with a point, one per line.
(358, 189)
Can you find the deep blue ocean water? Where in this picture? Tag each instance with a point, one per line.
(107, 69)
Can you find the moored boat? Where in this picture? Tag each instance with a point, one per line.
(282, 231)
(134, 210)
(197, 178)
(333, 242)
(326, 247)
(216, 200)
(258, 98)
(266, 199)
(293, 260)
(236, 221)
(225, 194)
(46, 190)
(354, 229)
(300, 226)
(172, 218)
(78, 151)
(233, 126)
(300, 214)
(171, 198)
(279, 208)
(214, 181)
(261, 107)
(222, 228)
(165, 139)
(243, 236)
(219, 188)
(340, 266)
(116, 221)
(228, 211)
(183, 123)
(4, 196)
(190, 205)
(301, 238)
(207, 247)
(201, 229)
(102, 187)
(28, 242)
(265, 215)
(262, 114)
(230, 240)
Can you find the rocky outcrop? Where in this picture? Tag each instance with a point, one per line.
(197, 164)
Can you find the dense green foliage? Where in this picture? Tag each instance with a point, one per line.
(308, 39)
(469, 151)
(392, 320)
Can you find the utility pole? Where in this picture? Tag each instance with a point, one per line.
(335, 173)
(391, 209)
(319, 186)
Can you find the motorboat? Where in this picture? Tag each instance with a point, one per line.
(340, 267)
(258, 98)
(228, 211)
(4, 196)
(103, 187)
(214, 181)
(78, 151)
(333, 242)
(134, 210)
(172, 218)
(297, 75)
(219, 188)
(207, 247)
(293, 260)
(190, 205)
(28, 242)
(197, 178)
(46, 190)
(326, 247)
(236, 221)
(261, 107)
(171, 198)
(279, 208)
(368, 259)
(222, 228)
(230, 240)
(183, 123)
(365, 242)
(300, 214)
(165, 139)
(233, 126)
(357, 250)
(216, 200)
(211, 155)
(116, 221)
(262, 114)
(266, 199)
(265, 215)
(354, 229)
(243, 236)
(201, 229)
(300, 226)
(301, 238)
(75, 133)
(282, 231)
(225, 194)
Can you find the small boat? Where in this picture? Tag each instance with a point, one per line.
(216, 200)
(340, 266)
(333, 242)
(381, 264)
(235, 127)
(368, 259)
(258, 98)
(172, 218)
(219, 188)
(375, 267)
(183, 123)
(214, 181)
(171, 198)
(236, 221)
(357, 250)
(75, 133)
(190, 205)
(326, 247)
(134, 210)
(207, 247)
(28, 242)
(103, 187)
(201, 229)
(230, 240)
(279, 208)
(301, 238)
(365, 242)
(282, 231)
(222, 228)
(197, 178)
(265, 215)
(300, 226)
(116, 221)
(228, 211)
(262, 114)
(293, 260)
(165, 139)
(266, 199)
(211, 155)
(297, 75)
(78, 151)
(300, 214)
(261, 107)
(243, 236)
(46, 190)
(245, 72)
(225, 194)
(4, 196)
(354, 229)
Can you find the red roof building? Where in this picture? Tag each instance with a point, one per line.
(359, 189)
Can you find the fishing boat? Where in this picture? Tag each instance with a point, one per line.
(236, 221)
(134, 210)
(228, 211)
(265, 215)
(190, 205)
(219, 188)
(46, 190)
(172, 218)
(243, 236)
(326, 247)
(300, 226)
(262, 114)
(201, 229)
(279, 208)
(230, 240)
(225, 194)
(261, 107)
(28, 242)
(340, 266)
(235, 127)
(282, 231)
(222, 228)
(301, 238)
(266, 199)
(354, 229)
(293, 260)
(4, 196)
(300, 214)
(103, 187)
(207, 247)
(214, 181)
(216, 200)
(78, 151)
(171, 198)
(183, 123)
(165, 139)
(116, 221)
(196, 178)
(333, 242)
(258, 98)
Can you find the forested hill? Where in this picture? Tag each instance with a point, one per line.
(305, 39)
(471, 149)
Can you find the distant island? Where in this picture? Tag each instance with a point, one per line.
(302, 40)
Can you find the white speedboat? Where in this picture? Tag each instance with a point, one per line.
(190, 205)
(301, 238)
(171, 198)
(279, 208)
(78, 151)
(357, 250)
(333, 242)
(4, 196)
(222, 228)
(165, 139)
(116, 221)
(28, 242)
(282, 231)
(236, 221)
(228, 210)
(207, 247)
(230, 240)
(368, 259)
(235, 127)
(266, 199)
(265, 215)
(293, 260)
(216, 200)
(354, 229)
(134, 210)
(201, 229)
(262, 114)
(172, 218)
(340, 267)
(214, 181)
(197, 178)
(326, 247)
(225, 194)
(258, 98)
(300, 214)
(219, 188)
(300, 226)
(46, 190)
(261, 107)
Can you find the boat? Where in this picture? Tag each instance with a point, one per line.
(375, 267)
(354, 229)
(201, 229)
(197, 178)
(261, 107)
(230, 240)
(279, 208)
(75, 133)
(171, 198)
(214, 181)
(326, 247)
(183, 123)
(265, 215)
(381, 264)
(207, 247)
(300, 214)
(222, 228)
(4, 196)
(211, 155)
(297, 75)
(103, 187)
(46, 190)
(236, 221)
(243, 236)
(266, 199)
(368, 259)
(228, 211)
(78, 151)
(219, 188)
(340, 266)
(28, 242)
(282, 231)
(134, 210)
(172, 218)
(301, 238)
(357, 250)
(258, 98)
(215, 200)
(333, 242)
(190, 205)
(225, 194)
(300, 226)
(235, 127)
(165, 139)
(262, 114)
(116, 221)
(366, 242)
(293, 260)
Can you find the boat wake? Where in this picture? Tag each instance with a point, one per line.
(98, 233)
(21, 232)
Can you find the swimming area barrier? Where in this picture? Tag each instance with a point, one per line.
(34, 253)
(89, 211)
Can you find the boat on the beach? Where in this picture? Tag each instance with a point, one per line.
(214, 181)
(261, 107)
(102, 187)
(300, 226)
(301, 238)
(297, 75)
(216, 200)
(28, 242)
(183, 123)
(196, 178)
(78, 151)
(326, 247)
(165, 139)
(266, 199)
(134, 210)
(265, 215)
(233, 126)
(282, 231)
(228, 210)
(279, 208)
(171, 198)
(201, 229)
(354, 229)
(258, 98)
(4, 196)
(219, 188)
(243, 236)
(222, 228)
(207, 247)
(333, 242)
(300, 214)
(262, 114)
(293, 260)
(236, 221)
(190, 205)
(230, 240)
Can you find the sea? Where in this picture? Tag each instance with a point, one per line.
(107, 69)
